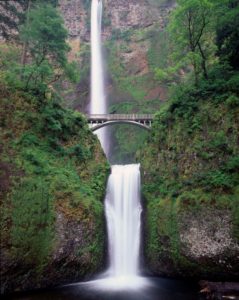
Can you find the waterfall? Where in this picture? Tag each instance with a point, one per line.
(123, 210)
(98, 98)
(122, 202)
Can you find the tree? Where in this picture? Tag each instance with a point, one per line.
(45, 37)
(192, 35)
(13, 15)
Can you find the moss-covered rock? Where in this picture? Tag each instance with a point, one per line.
(53, 178)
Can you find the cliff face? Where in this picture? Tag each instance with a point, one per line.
(52, 184)
(132, 30)
(135, 42)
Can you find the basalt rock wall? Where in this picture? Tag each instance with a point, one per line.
(134, 41)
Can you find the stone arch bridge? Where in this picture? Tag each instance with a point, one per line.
(101, 120)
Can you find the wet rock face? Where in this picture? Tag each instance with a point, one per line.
(133, 14)
(206, 235)
(75, 16)
(203, 248)
(206, 238)
(121, 15)
(131, 27)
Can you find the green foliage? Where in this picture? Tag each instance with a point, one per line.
(163, 238)
(191, 30)
(45, 37)
(158, 50)
(9, 57)
(218, 179)
(232, 165)
(44, 56)
(32, 221)
(81, 152)
(57, 167)
(45, 34)
(129, 139)
(13, 15)
(190, 160)
(200, 33)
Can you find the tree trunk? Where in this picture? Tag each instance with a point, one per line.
(204, 67)
(194, 63)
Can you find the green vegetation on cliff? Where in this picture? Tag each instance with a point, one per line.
(52, 167)
(53, 170)
(191, 165)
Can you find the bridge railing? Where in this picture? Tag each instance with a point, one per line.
(111, 117)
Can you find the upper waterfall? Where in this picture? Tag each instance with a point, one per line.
(98, 97)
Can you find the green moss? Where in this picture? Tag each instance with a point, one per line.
(158, 50)
(32, 229)
(163, 239)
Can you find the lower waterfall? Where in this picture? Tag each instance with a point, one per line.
(123, 210)
(123, 216)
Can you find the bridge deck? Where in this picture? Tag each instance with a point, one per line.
(114, 117)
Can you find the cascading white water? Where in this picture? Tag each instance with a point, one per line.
(122, 203)
(98, 98)
(123, 210)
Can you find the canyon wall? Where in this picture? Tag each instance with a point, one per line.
(135, 43)
(134, 40)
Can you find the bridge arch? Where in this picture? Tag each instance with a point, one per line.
(97, 121)
(113, 122)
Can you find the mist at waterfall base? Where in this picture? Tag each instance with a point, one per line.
(159, 289)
